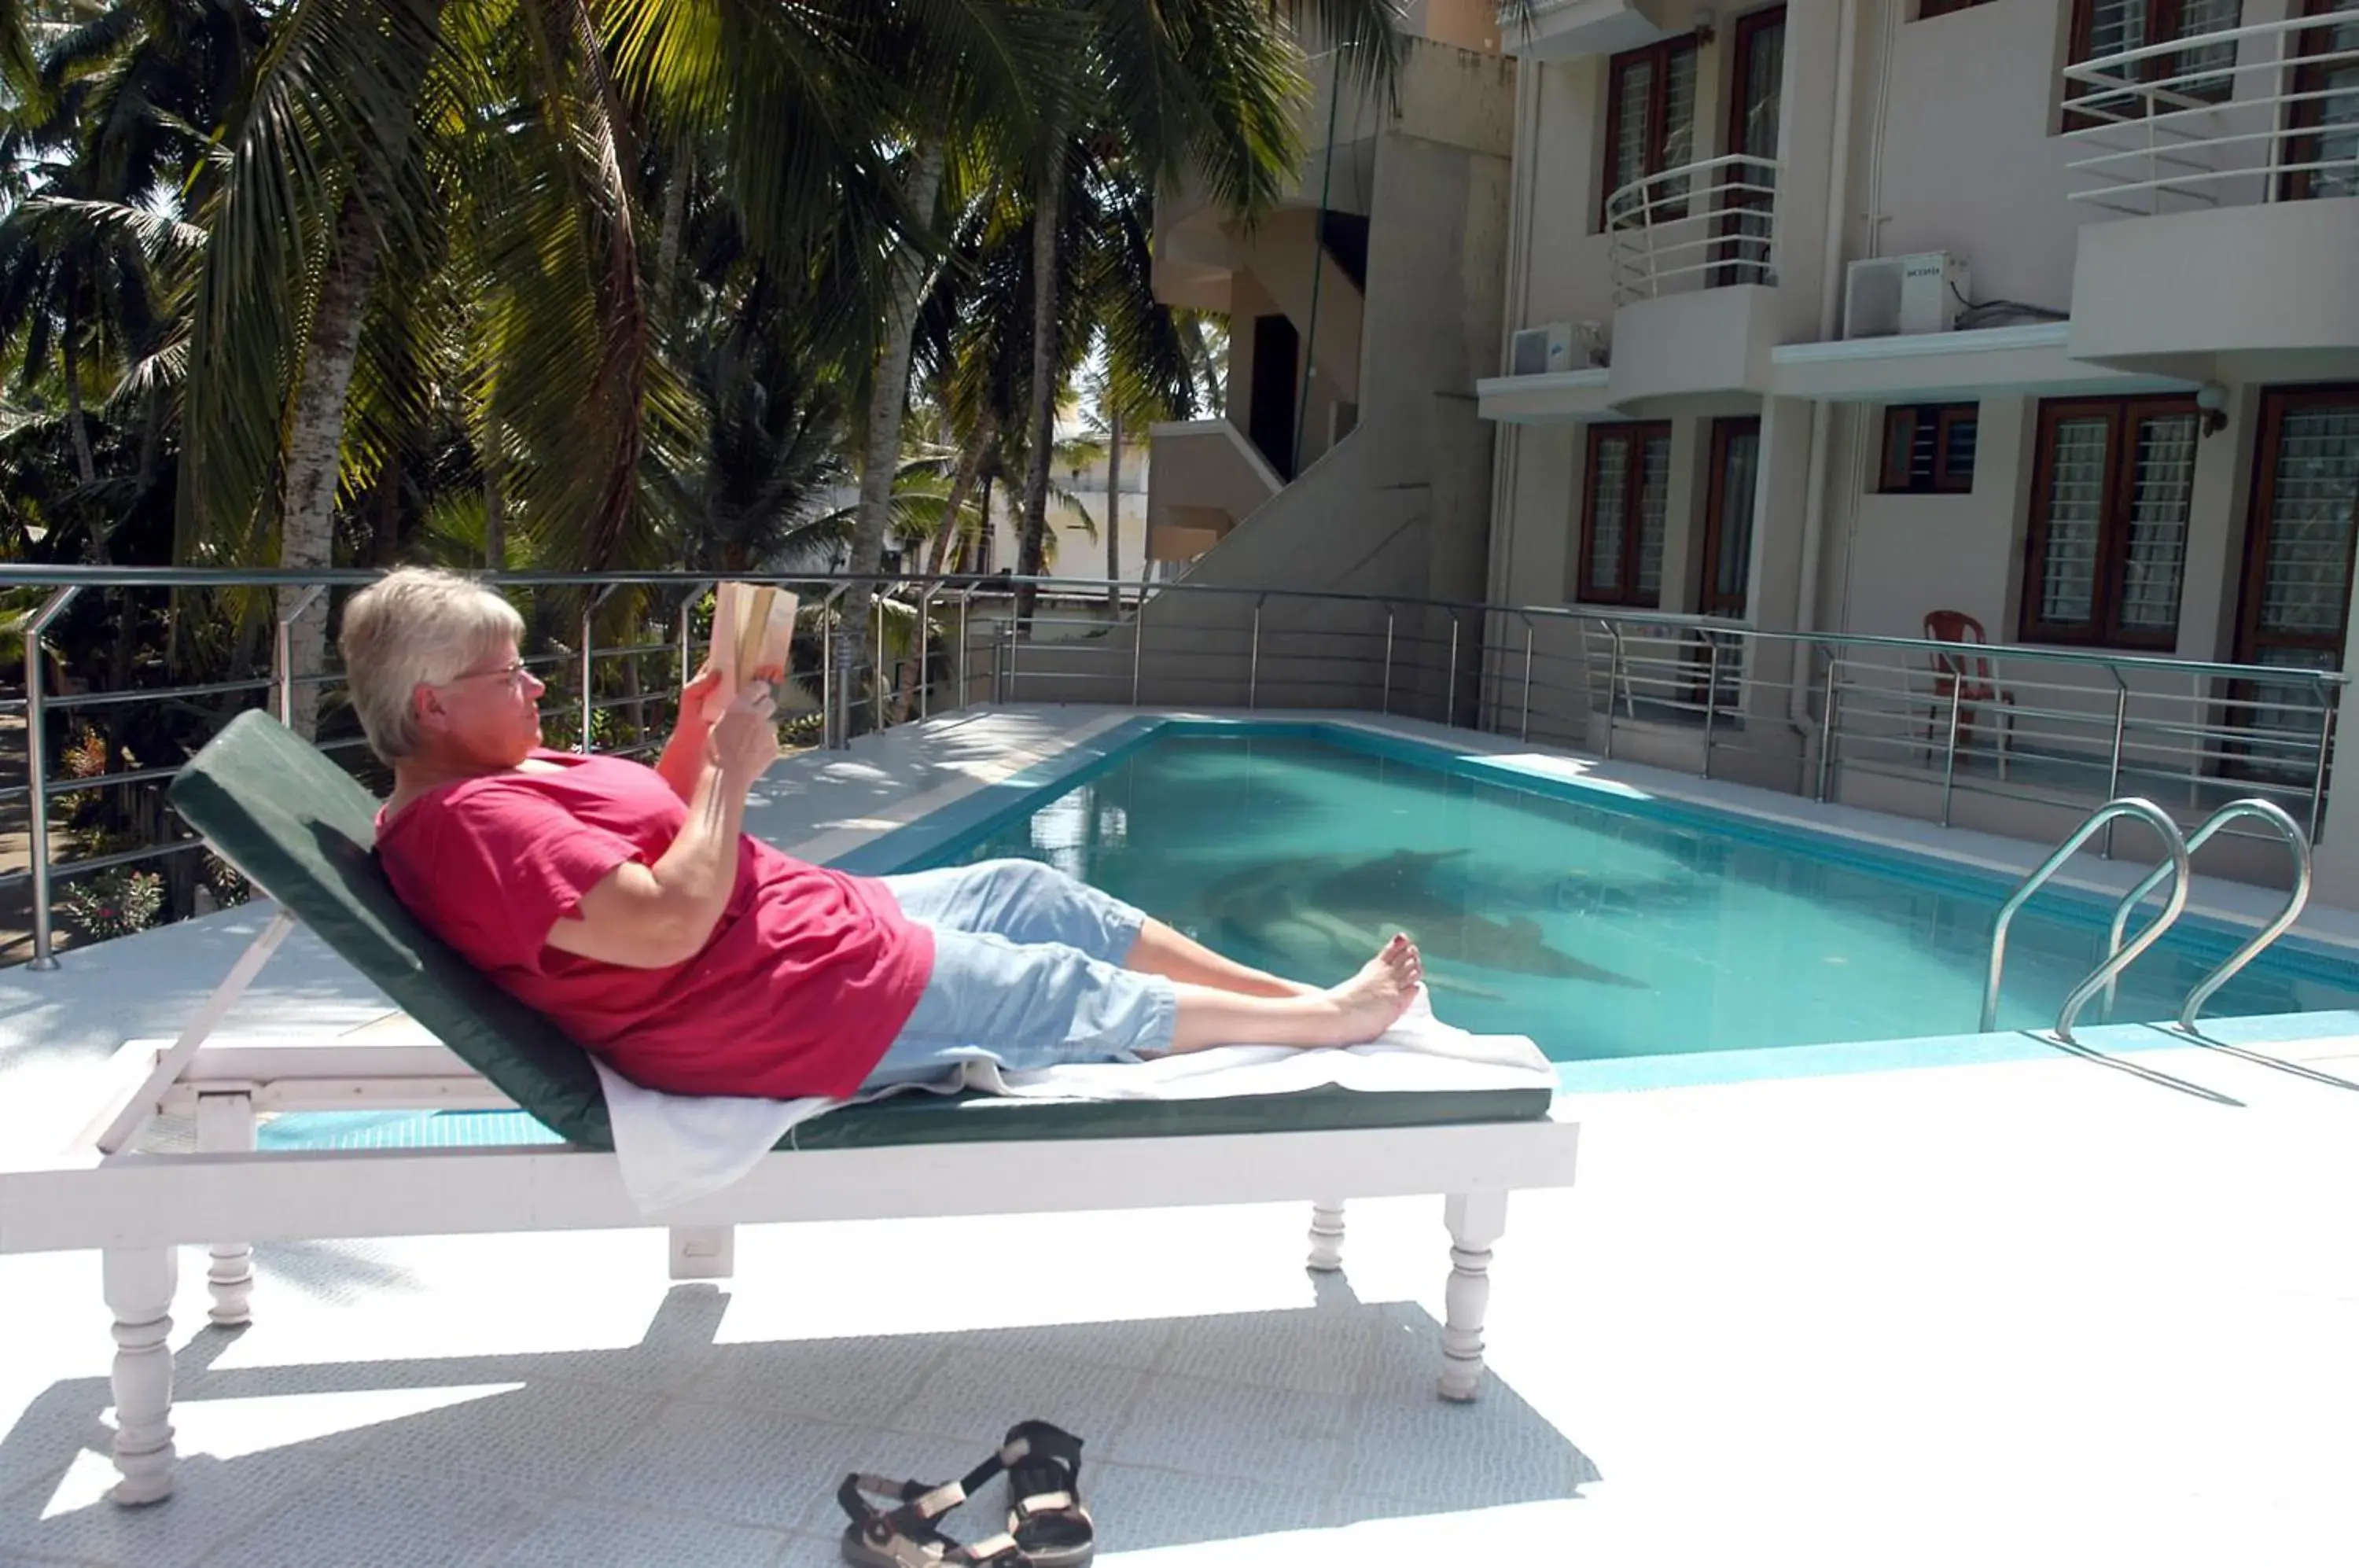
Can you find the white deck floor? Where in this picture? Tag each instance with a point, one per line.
(2045, 1312)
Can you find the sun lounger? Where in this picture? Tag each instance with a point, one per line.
(301, 829)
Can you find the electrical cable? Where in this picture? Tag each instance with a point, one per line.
(1978, 313)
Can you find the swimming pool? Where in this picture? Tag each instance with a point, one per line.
(1602, 924)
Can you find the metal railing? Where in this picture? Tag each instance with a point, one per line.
(2174, 865)
(2165, 127)
(2065, 727)
(2177, 869)
(1898, 724)
(1703, 224)
(2282, 921)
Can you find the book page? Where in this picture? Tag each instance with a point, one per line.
(753, 628)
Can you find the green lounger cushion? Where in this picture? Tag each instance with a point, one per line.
(302, 828)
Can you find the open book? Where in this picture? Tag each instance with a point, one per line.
(751, 625)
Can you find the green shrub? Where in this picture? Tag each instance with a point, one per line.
(114, 902)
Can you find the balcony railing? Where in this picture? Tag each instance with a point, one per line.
(1804, 713)
(1701, 226)
(2265, 113)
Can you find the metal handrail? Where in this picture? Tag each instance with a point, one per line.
(2296, 840)
(2181, 140)
(2233, 964)
(1638, 212)
(1083, 590)
(2175, 847)
(1531, 679)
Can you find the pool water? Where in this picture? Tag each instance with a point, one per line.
(1601, 927)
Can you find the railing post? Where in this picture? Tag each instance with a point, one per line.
(827, 672)
(589, 615)
(1826, 709)
(1137, 645)
(1384, 703)
(876, 661)
(1525, 733)
(844, 680)
(1613, 679)
(925, 626)
(965, 599)
(2113, 768)
(2327, 709)
(1450, 687)
(1711, 698)
(282, 652)
(1252, 661)
(687, 640)
(36, 770)
(1015, 635)
(1950, 753)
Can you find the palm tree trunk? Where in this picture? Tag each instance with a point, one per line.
(1040, 413)
(675, 221)
(307, 496)
(495, 523)
(385, 535)
(888, 396)
(986, 430)
(1113, 509)
(83, 459)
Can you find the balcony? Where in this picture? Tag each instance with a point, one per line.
(1710, 223)
(1565, 29)
(2230, 158)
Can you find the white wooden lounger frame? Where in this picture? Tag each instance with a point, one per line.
(139, 1209)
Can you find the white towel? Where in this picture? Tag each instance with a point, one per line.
(675, 1147)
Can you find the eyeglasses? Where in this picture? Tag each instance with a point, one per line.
(512, 672)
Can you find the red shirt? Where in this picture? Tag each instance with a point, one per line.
(805, 979)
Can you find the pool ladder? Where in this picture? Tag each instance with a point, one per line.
(2179, 849)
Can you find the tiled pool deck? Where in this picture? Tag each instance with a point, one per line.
(2052, 1310)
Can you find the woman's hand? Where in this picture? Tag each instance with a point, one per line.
(745, 740)
(696, 698)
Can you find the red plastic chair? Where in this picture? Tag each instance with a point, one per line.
(1968, 680)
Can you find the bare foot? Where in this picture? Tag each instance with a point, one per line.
(1380, 993)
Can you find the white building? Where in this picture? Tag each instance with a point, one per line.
(2027, 322)
(2036, 318)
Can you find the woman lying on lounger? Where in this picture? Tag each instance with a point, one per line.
(627, 903)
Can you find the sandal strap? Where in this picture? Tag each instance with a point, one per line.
(891, 1531)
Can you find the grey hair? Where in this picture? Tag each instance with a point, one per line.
(416, 627)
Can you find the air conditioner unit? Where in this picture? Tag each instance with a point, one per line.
(1898, 295)
(1559, 345)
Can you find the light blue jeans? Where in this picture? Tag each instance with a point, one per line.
(1027, 973)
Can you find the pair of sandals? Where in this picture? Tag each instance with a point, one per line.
(1046, 1525)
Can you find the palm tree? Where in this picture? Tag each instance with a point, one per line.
(967, 73)
(1162, 85)
(479, 158)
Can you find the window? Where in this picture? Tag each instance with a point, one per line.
(2322, 121)
(1929, 9)
(2296, 608)
(1622, 517)
(1728, 553)
(1748, 191)
(2102, 29)
(2110, 497)
(1650, 100)
(1928, 448)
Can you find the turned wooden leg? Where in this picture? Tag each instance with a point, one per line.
(1475, 1220)
(139, 1285)
(225, 1125)
(1326, 1234)
(703, 1252)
